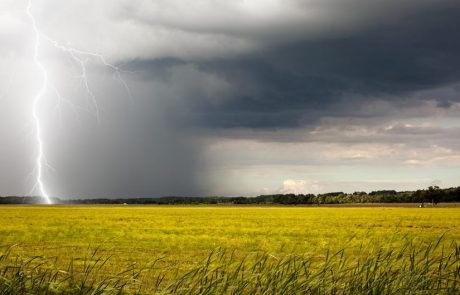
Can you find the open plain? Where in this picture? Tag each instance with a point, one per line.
(181, 237)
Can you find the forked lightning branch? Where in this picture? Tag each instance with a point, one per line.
(80, 58)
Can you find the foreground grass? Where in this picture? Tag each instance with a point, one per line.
(434, 269)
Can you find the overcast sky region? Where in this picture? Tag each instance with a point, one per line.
(241, 97)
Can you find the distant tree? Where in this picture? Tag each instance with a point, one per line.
(433, 195)
(359, 193)
(383, 193)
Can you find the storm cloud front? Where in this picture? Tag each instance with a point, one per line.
(232, 97)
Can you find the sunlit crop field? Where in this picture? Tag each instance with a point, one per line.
(184, 233)
(182, 236)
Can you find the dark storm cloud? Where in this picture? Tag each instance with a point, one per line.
(299, 81)
(296, 83)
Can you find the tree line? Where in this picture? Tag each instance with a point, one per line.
(433, 195)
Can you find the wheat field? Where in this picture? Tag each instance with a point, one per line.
(174, 241)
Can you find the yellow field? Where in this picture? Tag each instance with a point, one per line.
(268, 240)
(186, 234)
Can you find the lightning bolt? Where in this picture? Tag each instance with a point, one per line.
(79, 57)
(40, 160)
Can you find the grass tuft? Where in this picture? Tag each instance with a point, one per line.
(407, 269)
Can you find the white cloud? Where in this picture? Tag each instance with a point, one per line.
(292, 186)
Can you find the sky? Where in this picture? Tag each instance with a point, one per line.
(229, 98)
